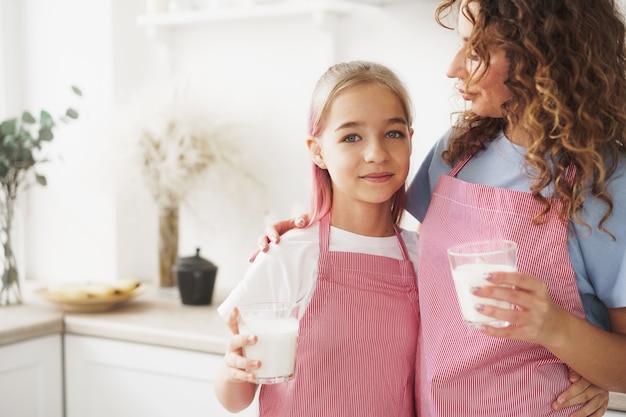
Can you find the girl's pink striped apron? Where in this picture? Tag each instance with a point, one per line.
(357, 342)
(464, 372)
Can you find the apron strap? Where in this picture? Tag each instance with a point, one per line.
(459, 165)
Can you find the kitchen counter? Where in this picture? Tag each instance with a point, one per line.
(25, 321)
(155, 317)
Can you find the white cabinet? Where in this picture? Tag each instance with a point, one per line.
(107, 378)
(31, 379)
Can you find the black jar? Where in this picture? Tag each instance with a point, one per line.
(196, 279)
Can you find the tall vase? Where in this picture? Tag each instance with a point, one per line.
(10, 292)
(168, 245)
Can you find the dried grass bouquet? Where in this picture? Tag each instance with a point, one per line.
(179, 143)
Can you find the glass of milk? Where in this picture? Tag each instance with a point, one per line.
(276, 327)
(471, 264)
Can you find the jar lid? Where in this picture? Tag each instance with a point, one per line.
(195, 262)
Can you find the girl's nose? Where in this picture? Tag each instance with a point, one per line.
(457, 67)
(376, 152)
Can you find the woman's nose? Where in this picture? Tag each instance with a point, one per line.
(457, 68)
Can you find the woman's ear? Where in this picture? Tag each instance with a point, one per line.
(316, 151)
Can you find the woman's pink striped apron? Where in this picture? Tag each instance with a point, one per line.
(357, 343)
(464, 372)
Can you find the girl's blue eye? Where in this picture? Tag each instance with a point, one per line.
(351, 138)
(395, 135)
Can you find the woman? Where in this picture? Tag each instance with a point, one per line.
(537, 159)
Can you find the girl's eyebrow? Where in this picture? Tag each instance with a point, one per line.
(348, 125)
(393, 120)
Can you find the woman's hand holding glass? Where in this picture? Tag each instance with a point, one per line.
(536, 318)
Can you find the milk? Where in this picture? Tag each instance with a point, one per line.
(474, 275)
(275, 348)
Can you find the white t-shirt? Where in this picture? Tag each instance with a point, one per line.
(288, 271)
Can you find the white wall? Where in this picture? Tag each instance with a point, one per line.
(96, 221)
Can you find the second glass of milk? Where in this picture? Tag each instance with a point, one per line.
(471, 263)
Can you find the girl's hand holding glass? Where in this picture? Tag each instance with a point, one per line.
(236, 363)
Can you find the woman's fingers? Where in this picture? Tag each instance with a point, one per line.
(273, 233)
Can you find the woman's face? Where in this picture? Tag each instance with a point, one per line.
(486, 91)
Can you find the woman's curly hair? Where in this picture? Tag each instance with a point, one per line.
(567, 77)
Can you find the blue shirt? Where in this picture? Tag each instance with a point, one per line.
(599, 262)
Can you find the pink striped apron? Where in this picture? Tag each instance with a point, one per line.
(464, 372)
(357, 342)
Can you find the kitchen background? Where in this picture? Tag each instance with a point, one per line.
(247, 67)
(250, 73)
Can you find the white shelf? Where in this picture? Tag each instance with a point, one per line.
(260, 11)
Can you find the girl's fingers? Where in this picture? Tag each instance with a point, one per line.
(236, 361)
(232, 322)
(240, 375)
(238, 341)
(240, 368)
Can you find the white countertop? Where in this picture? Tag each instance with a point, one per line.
(156, 317)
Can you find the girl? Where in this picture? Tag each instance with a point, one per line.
(349, 269)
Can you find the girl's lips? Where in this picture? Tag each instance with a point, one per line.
(378, 176)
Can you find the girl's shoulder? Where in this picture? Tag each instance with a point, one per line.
(410, 238)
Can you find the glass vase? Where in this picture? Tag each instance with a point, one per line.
(10, 292)
(168, 245)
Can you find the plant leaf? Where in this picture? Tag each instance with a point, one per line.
(41, 179)
(45, 119)
(8, 126)
(45, 133)
(28, 118)
(77, 91)
(71, 113)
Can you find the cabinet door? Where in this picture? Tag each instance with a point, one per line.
(107, 378)
(31, 380)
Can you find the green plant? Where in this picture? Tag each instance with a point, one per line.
(21, 141)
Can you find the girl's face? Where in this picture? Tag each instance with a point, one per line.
(487, 92)
(365, 145)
